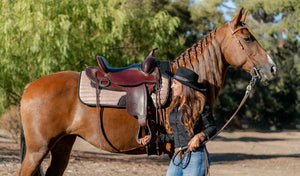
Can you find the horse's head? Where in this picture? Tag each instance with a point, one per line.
(241, 49)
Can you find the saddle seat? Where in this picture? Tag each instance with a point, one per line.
(147, 67)
(104, 65)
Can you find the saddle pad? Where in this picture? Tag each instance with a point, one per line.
(112, 98)
(108, 98)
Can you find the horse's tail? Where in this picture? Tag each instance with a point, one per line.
(22, 136)
(22, 143)
(39, 172)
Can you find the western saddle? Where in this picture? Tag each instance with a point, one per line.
(138, 80)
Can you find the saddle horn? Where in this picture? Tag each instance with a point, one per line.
(150, 62)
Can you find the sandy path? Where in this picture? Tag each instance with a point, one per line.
(232, 154)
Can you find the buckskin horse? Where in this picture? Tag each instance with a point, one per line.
(52, 115)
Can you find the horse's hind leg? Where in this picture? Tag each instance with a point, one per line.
(32, 161)
(60, 155)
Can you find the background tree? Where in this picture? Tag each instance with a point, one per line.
(38, 38)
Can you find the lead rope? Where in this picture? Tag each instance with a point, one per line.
(247, 93)
(206, 161)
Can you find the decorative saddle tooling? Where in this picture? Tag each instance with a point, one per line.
(140, 88)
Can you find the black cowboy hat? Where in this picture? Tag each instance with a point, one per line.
(188, 78)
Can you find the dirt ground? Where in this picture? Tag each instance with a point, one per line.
(237, 153)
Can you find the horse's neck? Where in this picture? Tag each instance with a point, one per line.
(213, 90)
(206, 59)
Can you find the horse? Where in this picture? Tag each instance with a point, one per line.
(52, 117)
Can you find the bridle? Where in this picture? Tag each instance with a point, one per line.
(254, 71)
(254, 76)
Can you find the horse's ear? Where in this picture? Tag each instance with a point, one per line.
(243, 19)
(237, 18)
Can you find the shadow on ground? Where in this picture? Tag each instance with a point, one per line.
(220, 158)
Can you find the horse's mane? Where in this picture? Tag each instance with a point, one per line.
(205, 58)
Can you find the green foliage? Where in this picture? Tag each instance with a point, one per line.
(38, 38)
(197, 18)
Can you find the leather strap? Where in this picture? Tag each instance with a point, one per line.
(240, 44)
(100, 122)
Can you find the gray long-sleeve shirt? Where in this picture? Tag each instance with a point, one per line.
(180, 137)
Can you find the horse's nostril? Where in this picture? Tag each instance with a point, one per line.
(274, 70)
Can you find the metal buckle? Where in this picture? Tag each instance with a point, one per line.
(254, 73)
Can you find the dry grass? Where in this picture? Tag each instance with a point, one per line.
(10, 122)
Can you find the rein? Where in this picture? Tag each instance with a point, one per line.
(254, 75)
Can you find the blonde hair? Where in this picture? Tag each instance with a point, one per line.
(191, 109)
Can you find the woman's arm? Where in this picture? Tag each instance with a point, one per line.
(163, 138)
(208, 123)
(210, 129)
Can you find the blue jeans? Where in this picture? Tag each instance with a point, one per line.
(195, 167)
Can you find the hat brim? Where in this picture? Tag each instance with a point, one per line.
(197, 86)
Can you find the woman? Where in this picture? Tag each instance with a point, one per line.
(190, 122)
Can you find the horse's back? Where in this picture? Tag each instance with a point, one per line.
(52, 83)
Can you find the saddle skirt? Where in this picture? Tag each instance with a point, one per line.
(113, 98)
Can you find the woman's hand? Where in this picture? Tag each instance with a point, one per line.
(195, 141)
(145, 140)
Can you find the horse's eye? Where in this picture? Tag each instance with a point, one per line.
(247, 39)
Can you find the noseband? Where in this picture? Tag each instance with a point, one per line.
(254, 72)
